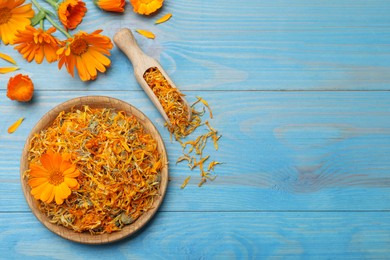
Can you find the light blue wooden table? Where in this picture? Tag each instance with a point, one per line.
(300, 93)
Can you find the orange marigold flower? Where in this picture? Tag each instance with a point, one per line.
(87, 53)
(13, 17)
(54, 179)
(20, 88)
(37, 44)
(146, 6)
(71, 13)
(111, 5)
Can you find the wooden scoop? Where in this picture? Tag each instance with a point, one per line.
(125, 41)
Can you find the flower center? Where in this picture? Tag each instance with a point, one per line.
(56, 178)
(5, 15)
(79, 47)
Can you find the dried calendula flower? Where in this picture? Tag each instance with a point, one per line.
(15, 125)
(146, 7)
(20, 88)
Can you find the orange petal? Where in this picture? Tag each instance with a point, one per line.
(62, 191)
(57, 160)
(38, 171)
(8, 69)
(73, 173)
(72, 183)
(15, 125)
(65, 165)
(146, 33)
(7, 58)
(47, 194)
(164, 19)
(34, 182)
(37, 191)
(47, 161)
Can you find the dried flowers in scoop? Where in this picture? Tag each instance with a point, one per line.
(181, 125)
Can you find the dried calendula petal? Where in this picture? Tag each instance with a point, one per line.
(15, 125)
(172, 102)
(212, 165)
(8, 69)
(185, 182)
(146, 33)
(7, 58)
(163, 19)
(204, 102)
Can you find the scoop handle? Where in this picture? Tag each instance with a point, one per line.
(125, 41)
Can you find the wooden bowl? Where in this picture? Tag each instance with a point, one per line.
(95, 102)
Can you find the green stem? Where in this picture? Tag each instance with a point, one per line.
(52, 3)
(59, 28)
(56, 25)
(37, 5)
(42, 25)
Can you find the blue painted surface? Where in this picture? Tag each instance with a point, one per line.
(300, 93)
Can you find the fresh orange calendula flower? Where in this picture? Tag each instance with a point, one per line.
(54, 179)
(86, 52)
(20, 88)
(146, 7)
(111, 5)
(37, 44)
(71, 13)
(13, 17)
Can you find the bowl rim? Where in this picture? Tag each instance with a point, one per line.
(95, 102)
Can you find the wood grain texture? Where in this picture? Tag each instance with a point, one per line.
(216, 235)
(281, 150)
(262, 45)
(300, 94)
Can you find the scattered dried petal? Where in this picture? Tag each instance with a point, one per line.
(212, 165)
(8, 69)
(185, 182)
(181, 126)
(7, 58)
(163, 19)
(183, 158)
(204, 102)
(15, 125)
(146, 33)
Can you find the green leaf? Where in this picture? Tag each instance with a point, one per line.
(38, 17)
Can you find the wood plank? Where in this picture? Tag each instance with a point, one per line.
(268, 45)
(281, 150)
(195, 235)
